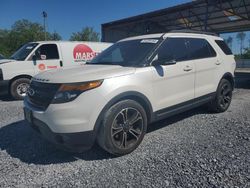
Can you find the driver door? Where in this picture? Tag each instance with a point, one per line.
(46, 57)
(173, 75)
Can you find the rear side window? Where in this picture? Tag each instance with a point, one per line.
(224, 47)
(173, 49)
(200, 48)
(47, 52)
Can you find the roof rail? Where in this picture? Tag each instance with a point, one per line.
(193, 31)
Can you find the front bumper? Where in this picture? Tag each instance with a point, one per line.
(72, 124)
(4, 87)
(73, 142)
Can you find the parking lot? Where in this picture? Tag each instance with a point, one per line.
(193, 149)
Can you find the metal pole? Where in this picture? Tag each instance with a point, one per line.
(44, 24)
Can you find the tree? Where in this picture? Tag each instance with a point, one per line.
(54, 36)
(86, 34)
(241, 37)
(229, 42)
(3, 40)
(21, 32)
(246, 54)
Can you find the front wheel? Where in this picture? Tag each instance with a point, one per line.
(123, 127)
(19, 88)
(223, 97)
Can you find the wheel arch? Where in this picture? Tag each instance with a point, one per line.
(18, 77)
(133, 95)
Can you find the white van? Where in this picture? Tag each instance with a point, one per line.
(35, 57)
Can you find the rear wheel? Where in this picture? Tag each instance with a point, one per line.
(123, 127)
(223, 97)
(19, 88)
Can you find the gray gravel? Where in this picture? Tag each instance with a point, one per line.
(193, 149)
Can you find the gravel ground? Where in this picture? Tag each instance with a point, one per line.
(193, 149)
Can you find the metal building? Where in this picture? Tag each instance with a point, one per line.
(219, 16)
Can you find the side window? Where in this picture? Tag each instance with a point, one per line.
(200, 48)
(224, 47)
(47, 52)
(173, 49)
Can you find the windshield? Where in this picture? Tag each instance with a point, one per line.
(24, 51)
(126, 53)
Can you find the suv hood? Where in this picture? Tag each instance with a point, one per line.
(83, 74)
(3, 61)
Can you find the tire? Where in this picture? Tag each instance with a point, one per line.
(223, 97)
(118, 134)
(19, 88)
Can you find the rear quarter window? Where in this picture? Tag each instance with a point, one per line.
(223, 46)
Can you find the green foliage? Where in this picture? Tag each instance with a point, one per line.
(21, 32)
(246, 54)
(54, 36)
(241, 37)
(87, 34)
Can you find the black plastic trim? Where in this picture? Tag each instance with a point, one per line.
(1, 74)
(125, 95)
(176, 109)
(73, 142)
(4, 87)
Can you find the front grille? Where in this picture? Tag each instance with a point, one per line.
(41, 94)
(1, 74)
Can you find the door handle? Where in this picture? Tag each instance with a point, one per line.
(217, 62)
(187, 68)
(61, 63)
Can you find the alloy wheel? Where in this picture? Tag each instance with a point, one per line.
(22, 89)
(127, 128)
(225, 96)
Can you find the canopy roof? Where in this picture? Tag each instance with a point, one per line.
(218, 16)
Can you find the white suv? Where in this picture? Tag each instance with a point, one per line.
(135, 82)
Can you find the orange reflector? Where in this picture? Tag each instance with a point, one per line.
(80, 87)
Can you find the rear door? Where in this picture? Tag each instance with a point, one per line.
(206, 63)
(47, 57)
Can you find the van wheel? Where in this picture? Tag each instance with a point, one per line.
(223, 97)
(123, 128)
(19, 88)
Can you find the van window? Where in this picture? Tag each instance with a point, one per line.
(200, 48)
(47, 52)
(173, 49)
(224, 47)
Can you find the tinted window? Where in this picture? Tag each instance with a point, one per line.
(200, 48)
(47, 51)
(173, 49)
(224, 47)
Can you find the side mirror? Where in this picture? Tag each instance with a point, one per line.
(164, 62)
(34, 57)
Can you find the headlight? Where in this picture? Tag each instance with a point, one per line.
(69, 92)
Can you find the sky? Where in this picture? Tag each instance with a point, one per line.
(68, 16)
